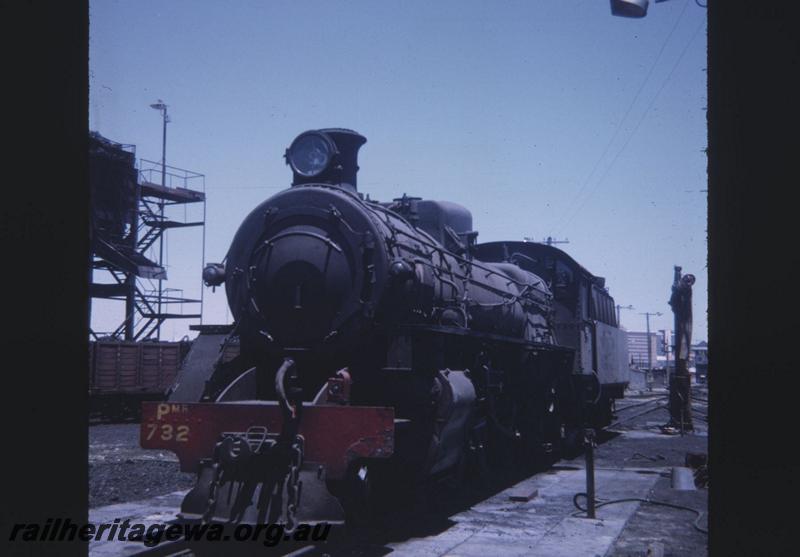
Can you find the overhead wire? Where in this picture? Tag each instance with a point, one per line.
(627, 113)
(644, 114)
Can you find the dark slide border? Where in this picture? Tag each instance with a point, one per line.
(754, 54)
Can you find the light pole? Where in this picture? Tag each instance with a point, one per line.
(619, 307)
(165, 118)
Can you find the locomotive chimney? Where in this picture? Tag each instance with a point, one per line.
(327, 156)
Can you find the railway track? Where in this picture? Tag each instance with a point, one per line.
(228, 549)
(700, 408)
(625, 413)
(168, 549)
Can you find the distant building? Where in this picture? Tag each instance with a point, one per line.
(700, 353)
(699, 357)
(638, 351)
(663, 353)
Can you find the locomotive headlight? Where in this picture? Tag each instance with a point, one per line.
(310, 154)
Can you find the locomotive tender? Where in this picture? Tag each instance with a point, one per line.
(380, 346)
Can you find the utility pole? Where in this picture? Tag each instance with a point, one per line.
(649, 344)
(666, 345)
(679, 388)
(619, 307)
(163, 108)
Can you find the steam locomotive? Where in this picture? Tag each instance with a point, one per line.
(379, 345)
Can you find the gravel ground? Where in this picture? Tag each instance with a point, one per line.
(642, 445)
(120, 471)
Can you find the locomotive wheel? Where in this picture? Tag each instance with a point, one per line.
(358, 498)
(503, 442)
(572, 444)
(536, 423)
(367, 495)
(473, 468)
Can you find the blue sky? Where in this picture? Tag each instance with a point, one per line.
(541, 117)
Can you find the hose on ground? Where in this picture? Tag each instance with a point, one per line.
(696, 522)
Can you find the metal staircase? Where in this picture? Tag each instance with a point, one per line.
(122, 252)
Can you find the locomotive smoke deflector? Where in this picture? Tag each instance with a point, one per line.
(327, 156)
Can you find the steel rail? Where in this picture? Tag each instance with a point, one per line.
(636, 405)
(628, 418)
